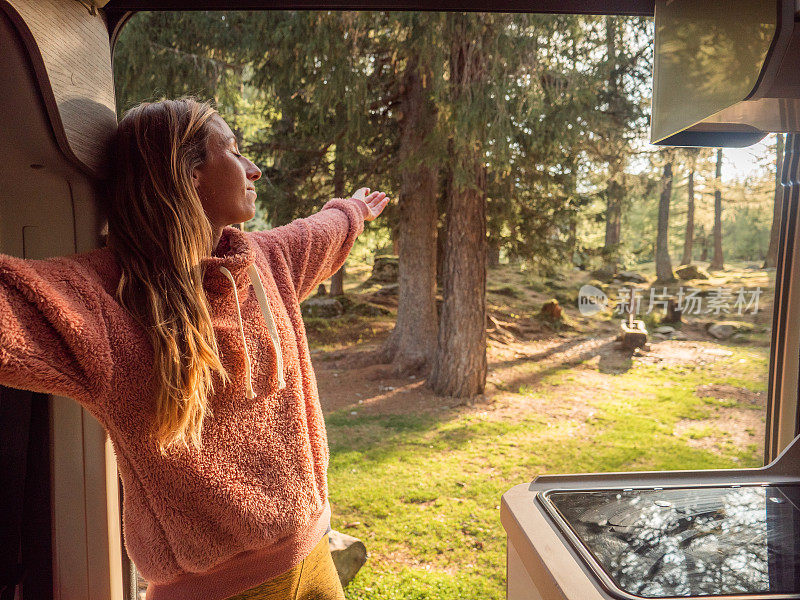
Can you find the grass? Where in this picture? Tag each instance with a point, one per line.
(425, 489)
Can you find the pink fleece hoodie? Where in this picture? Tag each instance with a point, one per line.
(253, 502)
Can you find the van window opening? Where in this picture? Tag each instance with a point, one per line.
(628, 287)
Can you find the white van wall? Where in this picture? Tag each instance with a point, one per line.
(49, 205)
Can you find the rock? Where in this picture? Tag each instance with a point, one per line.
(721, 331)
(385, 269)
(740, 337)
(551, 310)
(727, 329)
(679, 335)
(388, 290)
(346, 302)
(349, 555)
(365, 309)
(665, 330)
(325, 308)
(631, 277)
(512, 292)
(604, 273)
(688, 272)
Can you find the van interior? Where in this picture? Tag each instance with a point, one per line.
(62, 494)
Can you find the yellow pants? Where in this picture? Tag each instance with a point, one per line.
(313, 579)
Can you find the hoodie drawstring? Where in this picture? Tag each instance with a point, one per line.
(255, 278)
(273, 332)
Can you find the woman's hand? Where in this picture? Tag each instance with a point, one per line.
(376, 202)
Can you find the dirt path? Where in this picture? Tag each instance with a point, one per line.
(350, 379)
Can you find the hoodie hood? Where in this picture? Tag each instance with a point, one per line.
(234, 253)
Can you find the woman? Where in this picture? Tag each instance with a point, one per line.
(184, 338)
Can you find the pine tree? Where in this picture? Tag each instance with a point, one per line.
(460, 365)
(618, 117)
(771, 259)
(412, 343)
(664, 272)
(717, 260)
(688, 240)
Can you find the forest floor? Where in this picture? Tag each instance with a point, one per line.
(418, 478)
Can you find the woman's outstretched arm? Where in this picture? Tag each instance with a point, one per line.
(53, 337)
(317, 246)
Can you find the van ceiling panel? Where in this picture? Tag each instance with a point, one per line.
(72, 64)
(599, 7)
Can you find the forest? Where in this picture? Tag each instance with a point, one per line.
(515, 148)
(502, 137)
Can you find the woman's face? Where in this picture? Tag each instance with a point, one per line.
(224, 181)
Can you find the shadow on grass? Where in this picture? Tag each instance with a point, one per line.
(382, 431)
(614, 360)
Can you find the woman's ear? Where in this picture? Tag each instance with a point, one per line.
(196, 178)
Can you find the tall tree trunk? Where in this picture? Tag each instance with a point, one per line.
(412, 343)
(704, 246)
(615, 193)
(688, 240)
(771, 259)
(441, 237)
(717, 261)
(337, 280)
(572, 243)
(444, 194)
(493, 252)
(663, 263)
(615, 188)
(460, 365)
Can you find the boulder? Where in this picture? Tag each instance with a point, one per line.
(389, 290)
(630, 277)
(325, 308)
(604, 274)
(721, 331)
(689, 272)
(346, 302)
(349, 555)
(385, 269)
(365, 309)
(665, 330)
(512, 292)
(551, 311)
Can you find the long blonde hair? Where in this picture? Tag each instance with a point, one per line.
(159, 233)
